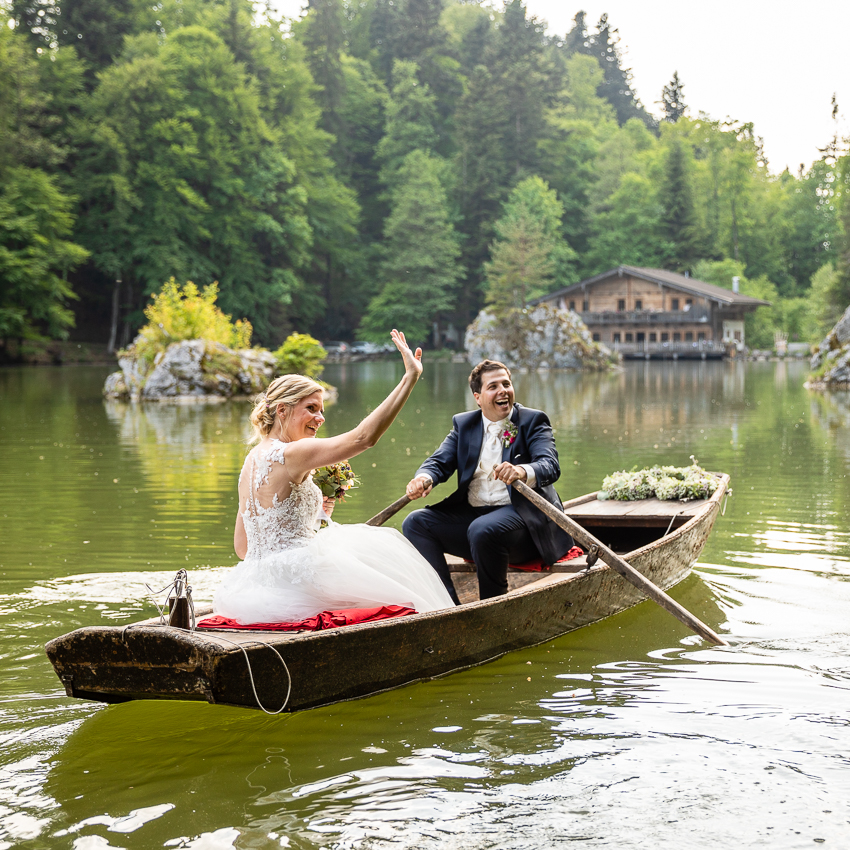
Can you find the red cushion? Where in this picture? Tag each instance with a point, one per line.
(324, 620)
(538, 567)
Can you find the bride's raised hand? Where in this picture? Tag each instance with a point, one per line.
(412, 360)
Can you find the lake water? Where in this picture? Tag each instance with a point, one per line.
(630, 733)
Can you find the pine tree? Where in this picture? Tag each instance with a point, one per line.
(500, 122)
(483, 177)
(522, 69)
(673, 99)
(627, 228)
(95, 28)
(470, 34)
(322, 32)
(577, 40)
(406, 30)
(363, 111)
(420, 268)
(418, 29)
(412, 31)
(616, 87)
(679, 219)
(411, 115)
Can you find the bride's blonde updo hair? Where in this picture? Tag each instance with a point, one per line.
(288, 390)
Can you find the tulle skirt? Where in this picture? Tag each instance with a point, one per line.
(345, 566)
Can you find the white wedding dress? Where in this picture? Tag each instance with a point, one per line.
(291, 572)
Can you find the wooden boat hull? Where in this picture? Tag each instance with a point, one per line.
(148, 661)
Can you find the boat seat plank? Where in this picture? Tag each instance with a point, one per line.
(642, 512)
(641, 507)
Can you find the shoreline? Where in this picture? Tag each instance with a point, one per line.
(58, 353)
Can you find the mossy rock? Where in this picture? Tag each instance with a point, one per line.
(540, 337)
(830, 363)
(192, 370)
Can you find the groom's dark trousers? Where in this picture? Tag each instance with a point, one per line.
(492, 537)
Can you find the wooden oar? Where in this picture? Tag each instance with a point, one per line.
(390, 510)
(613, 560)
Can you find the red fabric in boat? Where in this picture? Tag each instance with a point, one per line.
(325, 620)
(537, 566)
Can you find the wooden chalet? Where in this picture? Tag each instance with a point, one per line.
(649, 313)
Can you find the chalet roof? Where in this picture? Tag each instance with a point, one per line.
(673, 280)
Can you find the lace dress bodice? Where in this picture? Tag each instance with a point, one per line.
(284, 524)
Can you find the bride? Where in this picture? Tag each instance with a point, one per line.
(288, 572)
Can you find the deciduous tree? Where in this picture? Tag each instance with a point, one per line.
(521, 267)
(36, 216)
(533, 213)
(182, 177)
(35, 256)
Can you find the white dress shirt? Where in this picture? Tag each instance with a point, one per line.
(484, 489)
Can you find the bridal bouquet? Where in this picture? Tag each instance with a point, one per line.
(336, 480)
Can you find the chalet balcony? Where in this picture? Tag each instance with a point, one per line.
(699, 315)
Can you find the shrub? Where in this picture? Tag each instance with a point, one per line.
(301, 354)
(180, 313)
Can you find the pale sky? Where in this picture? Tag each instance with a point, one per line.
(776, 63)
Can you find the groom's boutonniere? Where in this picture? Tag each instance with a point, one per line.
(508, 434)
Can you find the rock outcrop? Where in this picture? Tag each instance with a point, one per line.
(540, 337)
(831, 361)
(192, 370)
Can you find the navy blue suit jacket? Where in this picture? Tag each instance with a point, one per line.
(534, 445)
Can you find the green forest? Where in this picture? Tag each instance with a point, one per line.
(377, 163)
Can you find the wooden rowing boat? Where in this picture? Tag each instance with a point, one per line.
(150, 661)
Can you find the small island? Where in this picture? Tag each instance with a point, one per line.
(190, 351)
(541, 337)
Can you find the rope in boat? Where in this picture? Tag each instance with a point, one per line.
(247, 661)
(672, 518)
(179, 588)
(251, 674)
(726, 496)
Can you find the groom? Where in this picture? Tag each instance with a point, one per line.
(485, 520)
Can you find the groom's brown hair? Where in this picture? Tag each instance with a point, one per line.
(475, 378)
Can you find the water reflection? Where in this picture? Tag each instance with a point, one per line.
(628, 732)
(189, 454)
(183, 425)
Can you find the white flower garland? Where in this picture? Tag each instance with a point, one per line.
(662, 482)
